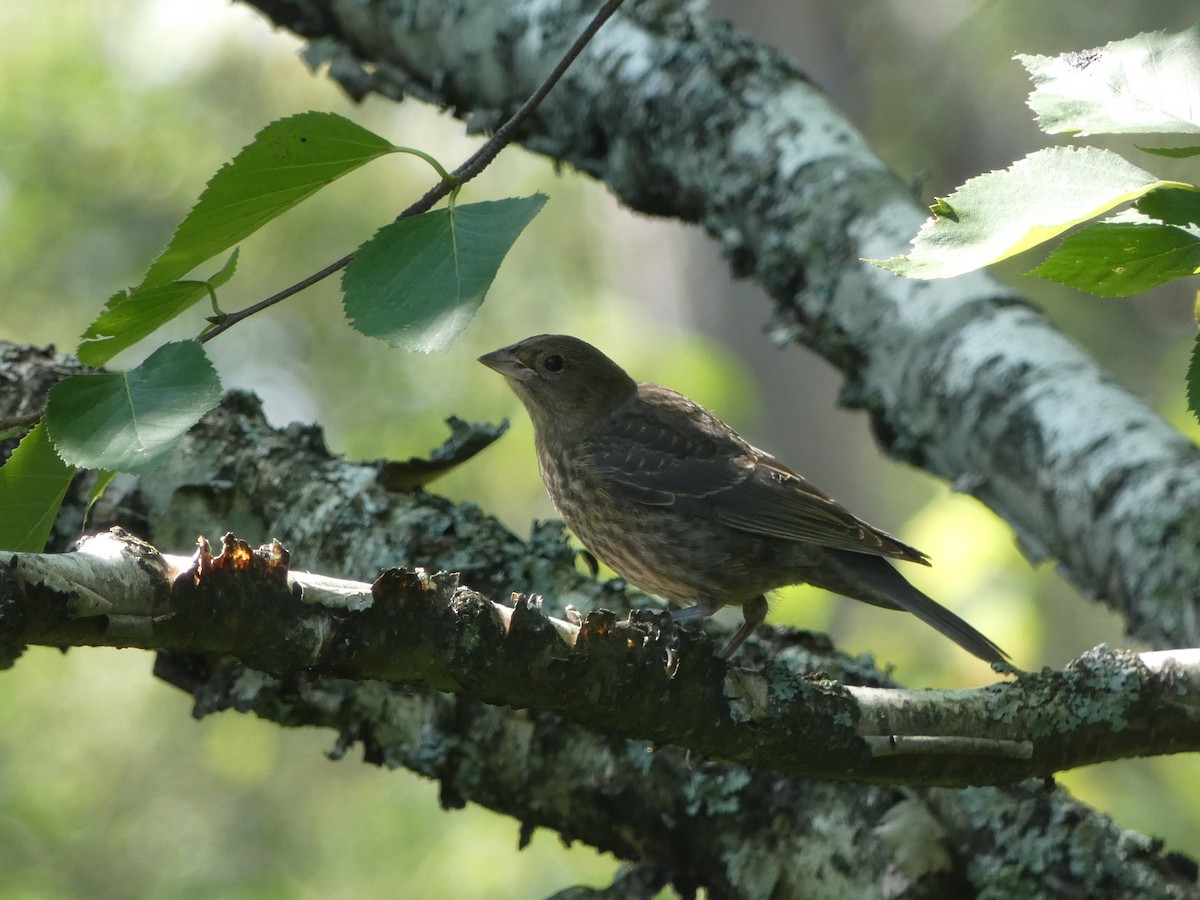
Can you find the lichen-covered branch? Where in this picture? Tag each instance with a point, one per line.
(737, 832)
(686, 118)
(637, 679)
(697, 821)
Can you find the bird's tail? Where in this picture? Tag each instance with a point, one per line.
(873, 580)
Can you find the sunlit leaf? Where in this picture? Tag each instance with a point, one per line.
(128, 421)
(418, 282)
(1001, 214)
(1147, 83)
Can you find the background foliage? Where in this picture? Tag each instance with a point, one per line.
(124, 110)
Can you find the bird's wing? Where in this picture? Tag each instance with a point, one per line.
(663, 448)
(775, 501)
(665, 451)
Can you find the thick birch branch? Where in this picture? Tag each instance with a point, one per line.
(684, 118)
(638, 679)
(737, 832)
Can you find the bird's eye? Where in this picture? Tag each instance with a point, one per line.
(553, 363)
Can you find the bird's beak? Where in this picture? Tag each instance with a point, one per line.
(507, 363)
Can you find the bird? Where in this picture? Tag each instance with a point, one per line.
(681, 506)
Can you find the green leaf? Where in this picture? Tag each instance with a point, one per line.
(32, 485)
(1193, 380)
(1173, 152)
(418, 282)
(103, 480)
(287, 161)
(1117, 260)
(129, 316)
(1175, 206)
(128, 421)
(1147, 83)
(1001, 214)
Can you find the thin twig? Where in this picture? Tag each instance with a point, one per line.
(478, 161)
(20, 422)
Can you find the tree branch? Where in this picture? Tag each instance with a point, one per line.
(689, 119)
(638, 679)
(737, 832)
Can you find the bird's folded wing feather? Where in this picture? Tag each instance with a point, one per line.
(668, 454)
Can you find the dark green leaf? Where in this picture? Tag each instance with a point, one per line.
(103, 480)
(287, 161)
(1117, 260)
(128, 421)
(1173, 152)
(32, 485)
(1175, 206)
(130, 316)
(418, 282)
(1193, 380)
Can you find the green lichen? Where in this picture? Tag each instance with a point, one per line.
(1098, 688)
(1047, 845)
(715, 795)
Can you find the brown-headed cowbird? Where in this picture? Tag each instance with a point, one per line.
(678, 504)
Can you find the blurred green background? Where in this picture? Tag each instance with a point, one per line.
(112, 117)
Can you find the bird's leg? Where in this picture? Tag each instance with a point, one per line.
(754, 613)
(688, 613)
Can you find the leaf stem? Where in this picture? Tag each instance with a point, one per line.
(478, 161)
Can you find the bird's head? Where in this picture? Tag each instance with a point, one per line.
(565, 383)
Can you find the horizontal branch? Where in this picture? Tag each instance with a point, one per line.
(640, 678)
(737, 831)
